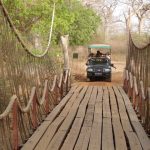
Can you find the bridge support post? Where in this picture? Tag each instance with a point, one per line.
(65, 44)
(15, 126)
(34, 112)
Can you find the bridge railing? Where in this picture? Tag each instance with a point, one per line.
(23, 69)
(137, 81)
(19, 121)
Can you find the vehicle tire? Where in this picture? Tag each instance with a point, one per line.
(90, 79)
(109, 79)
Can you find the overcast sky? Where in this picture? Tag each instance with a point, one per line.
(118, 13)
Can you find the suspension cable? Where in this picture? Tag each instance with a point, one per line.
(19, 36)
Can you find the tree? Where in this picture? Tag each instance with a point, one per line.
(27, 13)
(85, 24)
(71, 18)
(140, 9)
(65, 44)
(105, 9)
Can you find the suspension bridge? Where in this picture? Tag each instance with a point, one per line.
(45, 111)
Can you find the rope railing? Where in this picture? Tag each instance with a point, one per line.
(18, 36)
(20, 70)
(22, 75)
(20, 122)
(137, 81)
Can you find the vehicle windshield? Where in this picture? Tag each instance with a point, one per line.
(98, 61)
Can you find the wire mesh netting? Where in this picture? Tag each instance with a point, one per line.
(25, 78)
(138, 89)
(138, 62)
(19, 69)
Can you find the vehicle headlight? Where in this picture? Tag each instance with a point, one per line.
(89, 69)
(107, 70)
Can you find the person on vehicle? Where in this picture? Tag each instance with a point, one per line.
(108, 55)
(98, 54)
(91, 55)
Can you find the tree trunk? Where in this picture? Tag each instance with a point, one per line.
(104, 32)
(107, 34)
(140, 26)
(65, 43)
(37, 42)
(128, 27)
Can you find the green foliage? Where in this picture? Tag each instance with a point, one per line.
(55, 52)
(34, 16)
(27, 13)
(84, 26)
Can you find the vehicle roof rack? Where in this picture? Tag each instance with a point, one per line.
(102, 46)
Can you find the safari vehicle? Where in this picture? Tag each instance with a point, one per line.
(99, 66)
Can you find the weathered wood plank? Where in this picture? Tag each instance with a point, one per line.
(73, 135)
(134, 141)
(34, 139)
(95, 138)
(59, 137)
(143, 138)
(106, 105)
(113, 103)
(83, 105)
(107, 134)
(120, 141)
(122, 111)
(81, 138)
(131, 112)
(53, 127)
(91, 118)
(84, 137)
(71, 102)
(125, 119)
(71, 138)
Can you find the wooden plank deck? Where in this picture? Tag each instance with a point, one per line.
(93, 118)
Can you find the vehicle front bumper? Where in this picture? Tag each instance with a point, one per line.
(99, 75)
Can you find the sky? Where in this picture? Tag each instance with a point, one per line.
(118, 13)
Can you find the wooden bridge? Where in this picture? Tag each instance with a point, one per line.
(41, 109)
(91, 118)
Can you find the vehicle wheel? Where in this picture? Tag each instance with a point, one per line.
(90, 79)
(109, 79)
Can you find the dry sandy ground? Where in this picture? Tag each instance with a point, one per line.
(79, 72)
